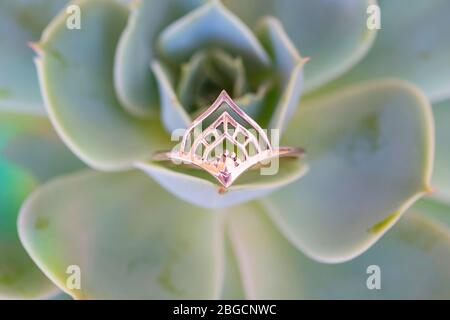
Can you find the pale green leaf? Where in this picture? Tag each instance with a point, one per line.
(129, 238)
(135, 84)
(173, 115)
(411, 45)
(198, 187)
(370, 152)
(77, 84)
(20, 23)
(232, 288)
(441, 171)
(434, 209)
(413, 260)
(211, 25)
(333, 33)
(288, 67)
(30, 153)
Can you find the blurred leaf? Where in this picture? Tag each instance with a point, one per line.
(370, 151)
(232, 288)
(412, 45)
(30, 153)
(288, 67)
(21, 22)
(198, 187)
(135, 84)
(413, 257)
(333, 33)
(173, 114)
(441, 172)
(78, 88)
(254, 103)
(434, 209)
(211, 25)
(137, 241)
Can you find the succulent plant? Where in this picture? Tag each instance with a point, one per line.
(78, 128)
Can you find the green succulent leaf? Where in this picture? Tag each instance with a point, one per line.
(20, 23)
(232, 288)
(138, 241)
(441, 174)
(173, 114)
(413, 257)
(41, 153)
(79, 93)
(370, 150)
(30, 153)
(211, 25)
(135, 84)
(433, 209)
(253, 103)
(19, 277)
(317, 28)
(198, 187)
(288, 68)
(412, 45)
(191, 78)
(60, 296)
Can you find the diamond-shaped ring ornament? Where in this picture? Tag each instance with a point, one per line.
(231, 144)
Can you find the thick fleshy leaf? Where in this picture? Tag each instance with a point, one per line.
(29, 144)
(192, 76)
(412, 45)
(370, 150)
(333, 33)
(441, 174)
(232, 288)
(136, 87)
(19, 277)
(288, 67)
(60, 296)
(173, 114)
(434, 209)
(413, 257)
(233, 69)
(211, 25)
(198, 187)
(79, 94)
(137, 240)
(30, 153)
(254, 103)
(22, 22)
(41, 153)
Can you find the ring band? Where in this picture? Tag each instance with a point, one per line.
(283, 152)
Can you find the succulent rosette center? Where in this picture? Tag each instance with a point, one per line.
(167, 69)
(210, 50)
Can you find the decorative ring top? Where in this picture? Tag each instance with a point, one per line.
(250, 149)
